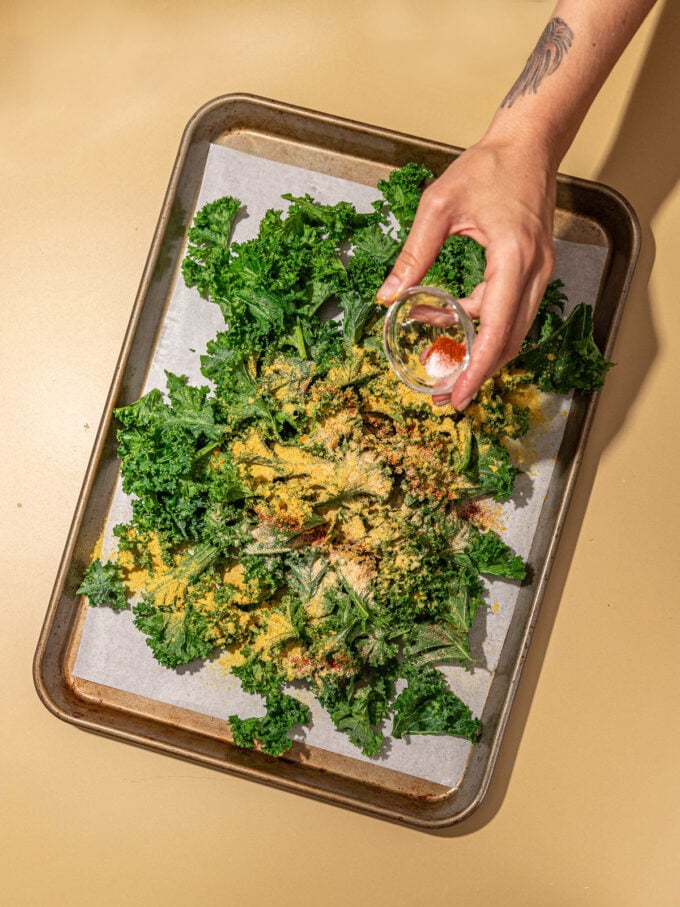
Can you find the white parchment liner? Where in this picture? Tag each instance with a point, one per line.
(114, 653)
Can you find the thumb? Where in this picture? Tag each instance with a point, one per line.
(413, 262)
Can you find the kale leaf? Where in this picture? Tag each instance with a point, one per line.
(402, 191)
(458, 267)
(175, 637)
(208, 257)
(357, 708)
(490, 470)
(565, 357)
(163, 448)
(427, 706)
(374, 251)
(103, 585)
(270, 732)
(490, 554)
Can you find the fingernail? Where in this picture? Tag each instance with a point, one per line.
(389, 290)
(464, 404)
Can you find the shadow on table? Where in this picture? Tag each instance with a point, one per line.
(644, 165)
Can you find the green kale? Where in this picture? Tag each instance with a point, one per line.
(174, 637)
(271, 292)
(283, 711)
(291, 487)
(490, 470)
(358, 707)
(459, 266)
(427, 706)
(177, 632)
(490, 554)
(402, 191)
(163, 449)
(103, 585)
(374, 251)
(550, 313)
(208, 256)
(271, 731)
(434, 643)
(306, 572)
(337, 221)
(565, 356)
(446, 638)
(257, 676)
(380, 646)
(239, 395)
(433, 591)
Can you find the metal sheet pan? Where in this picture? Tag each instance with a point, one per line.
(586, 212)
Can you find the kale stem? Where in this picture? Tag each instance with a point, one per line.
(300, 341)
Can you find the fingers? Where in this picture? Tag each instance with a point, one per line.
(492, 195)
(432, 314)
(428, 233)
(510, 300)
(473, 303)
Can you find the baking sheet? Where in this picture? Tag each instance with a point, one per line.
(113, 653)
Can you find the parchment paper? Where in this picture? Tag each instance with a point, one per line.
(114, 653)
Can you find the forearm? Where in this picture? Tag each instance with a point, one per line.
(571, 61)
(501, 191)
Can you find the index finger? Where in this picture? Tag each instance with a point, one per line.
(505, 287)
(429, 231)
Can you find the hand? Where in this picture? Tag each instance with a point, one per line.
(502, 194)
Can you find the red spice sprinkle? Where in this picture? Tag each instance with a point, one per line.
(470, 510)
(449, 349)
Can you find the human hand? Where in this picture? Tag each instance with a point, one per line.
(502, 194)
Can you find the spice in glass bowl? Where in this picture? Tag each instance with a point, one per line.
(428, 337)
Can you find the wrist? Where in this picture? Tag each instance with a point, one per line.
(537, 139)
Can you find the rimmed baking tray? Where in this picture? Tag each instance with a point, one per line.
(587, 213)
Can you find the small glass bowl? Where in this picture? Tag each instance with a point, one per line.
(428, 338)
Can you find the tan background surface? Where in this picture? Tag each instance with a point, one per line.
(584, 806)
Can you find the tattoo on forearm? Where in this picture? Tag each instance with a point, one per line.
(549, 52)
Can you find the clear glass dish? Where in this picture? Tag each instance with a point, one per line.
(428, 338)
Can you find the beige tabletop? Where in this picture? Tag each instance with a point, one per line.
(583, 808)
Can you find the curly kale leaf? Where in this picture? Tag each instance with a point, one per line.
(434, 643)
(380, 646)
(306, 572)
(164, 450)
(402, 191)
(274, 285)
(277, 283)
(189, 411)
(427, 706)
(238, 395)
(103, 585)
(177, 632)
(208, 255)
(357, 709)
(337, 221)
(374, 251)
(271, 732)
(489, 554)
(491, 471)
(174, 637)
(459, 266)
(565, 356)
(447, 639)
